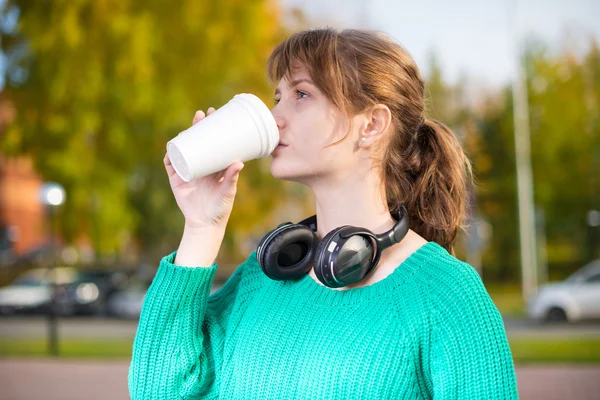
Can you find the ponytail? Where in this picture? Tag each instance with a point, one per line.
(429, 172)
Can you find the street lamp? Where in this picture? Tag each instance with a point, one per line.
(52, 195)
(529, 261)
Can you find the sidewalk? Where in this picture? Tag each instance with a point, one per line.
(96, 380)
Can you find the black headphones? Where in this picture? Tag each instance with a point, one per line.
(344, 256)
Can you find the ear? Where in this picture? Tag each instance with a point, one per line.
(378, 121)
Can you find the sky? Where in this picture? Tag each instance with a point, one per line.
(469, 37)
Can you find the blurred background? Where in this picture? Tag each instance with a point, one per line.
(91, 91)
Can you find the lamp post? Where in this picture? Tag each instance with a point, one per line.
(529, 262)
(52, 195)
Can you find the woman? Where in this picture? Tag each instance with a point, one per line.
(350, 111)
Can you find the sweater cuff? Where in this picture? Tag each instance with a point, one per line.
(184, 280)
(170, 260)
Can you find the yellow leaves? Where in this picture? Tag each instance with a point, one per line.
(195, 16)
(71, 29)
(113, 80)
(119, 26)
(482, 163)
(11, 140)
(56, 123)
(135, 63)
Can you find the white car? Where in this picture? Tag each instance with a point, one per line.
(574, 299)
(32, 290)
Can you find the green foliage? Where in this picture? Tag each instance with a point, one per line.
(564, 100)
(565, 126)
(101, 86)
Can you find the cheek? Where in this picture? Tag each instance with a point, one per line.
(313, 129)
(319, 129)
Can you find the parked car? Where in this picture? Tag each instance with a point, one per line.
(77, 291)
(127, 303)
(32, 291)
(91, 291)
(574, 299)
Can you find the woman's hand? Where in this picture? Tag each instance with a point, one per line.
(205, 202)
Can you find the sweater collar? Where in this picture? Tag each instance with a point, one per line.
(315, 292)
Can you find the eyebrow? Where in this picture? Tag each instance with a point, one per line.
(295, 82)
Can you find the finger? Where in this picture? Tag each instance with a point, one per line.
(232, 173)
(217, 176)
(175, 179)
(168, 166)
(198, 117)
(210, 110)
(230, 180)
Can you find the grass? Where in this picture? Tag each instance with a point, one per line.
(532, 350)
(89, 348)
(507, 298)
(524, 350)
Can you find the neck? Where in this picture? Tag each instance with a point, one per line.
(356, 199)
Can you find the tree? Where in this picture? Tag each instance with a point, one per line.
(564, 93)
(564, 96)
(101, 86)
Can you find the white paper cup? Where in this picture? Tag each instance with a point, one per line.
(243, 129)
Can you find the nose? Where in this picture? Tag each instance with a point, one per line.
(276, 112)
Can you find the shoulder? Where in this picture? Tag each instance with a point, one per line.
(448, 272)
(447, 287)
(247, 277)
(252, 270)
(445, 274)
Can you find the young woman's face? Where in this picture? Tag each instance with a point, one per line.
(308, 121)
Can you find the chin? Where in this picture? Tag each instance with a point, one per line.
(281, 171)
(286, 172)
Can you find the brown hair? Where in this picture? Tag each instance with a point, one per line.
(423, 165)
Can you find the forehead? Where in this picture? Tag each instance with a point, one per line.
(297, 71)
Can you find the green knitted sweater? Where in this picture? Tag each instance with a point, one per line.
(428, 330)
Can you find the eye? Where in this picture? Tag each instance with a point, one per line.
(300, 93)
(275, 101)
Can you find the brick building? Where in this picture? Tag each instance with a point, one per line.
(22, 220)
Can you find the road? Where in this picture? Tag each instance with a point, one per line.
(82, 328)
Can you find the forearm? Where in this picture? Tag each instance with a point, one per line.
(199, 246)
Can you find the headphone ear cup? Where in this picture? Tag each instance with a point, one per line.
(260, 249)
(287, 252)
(322, 267)
(353, 257)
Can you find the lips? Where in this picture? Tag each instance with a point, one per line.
(280, 145)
